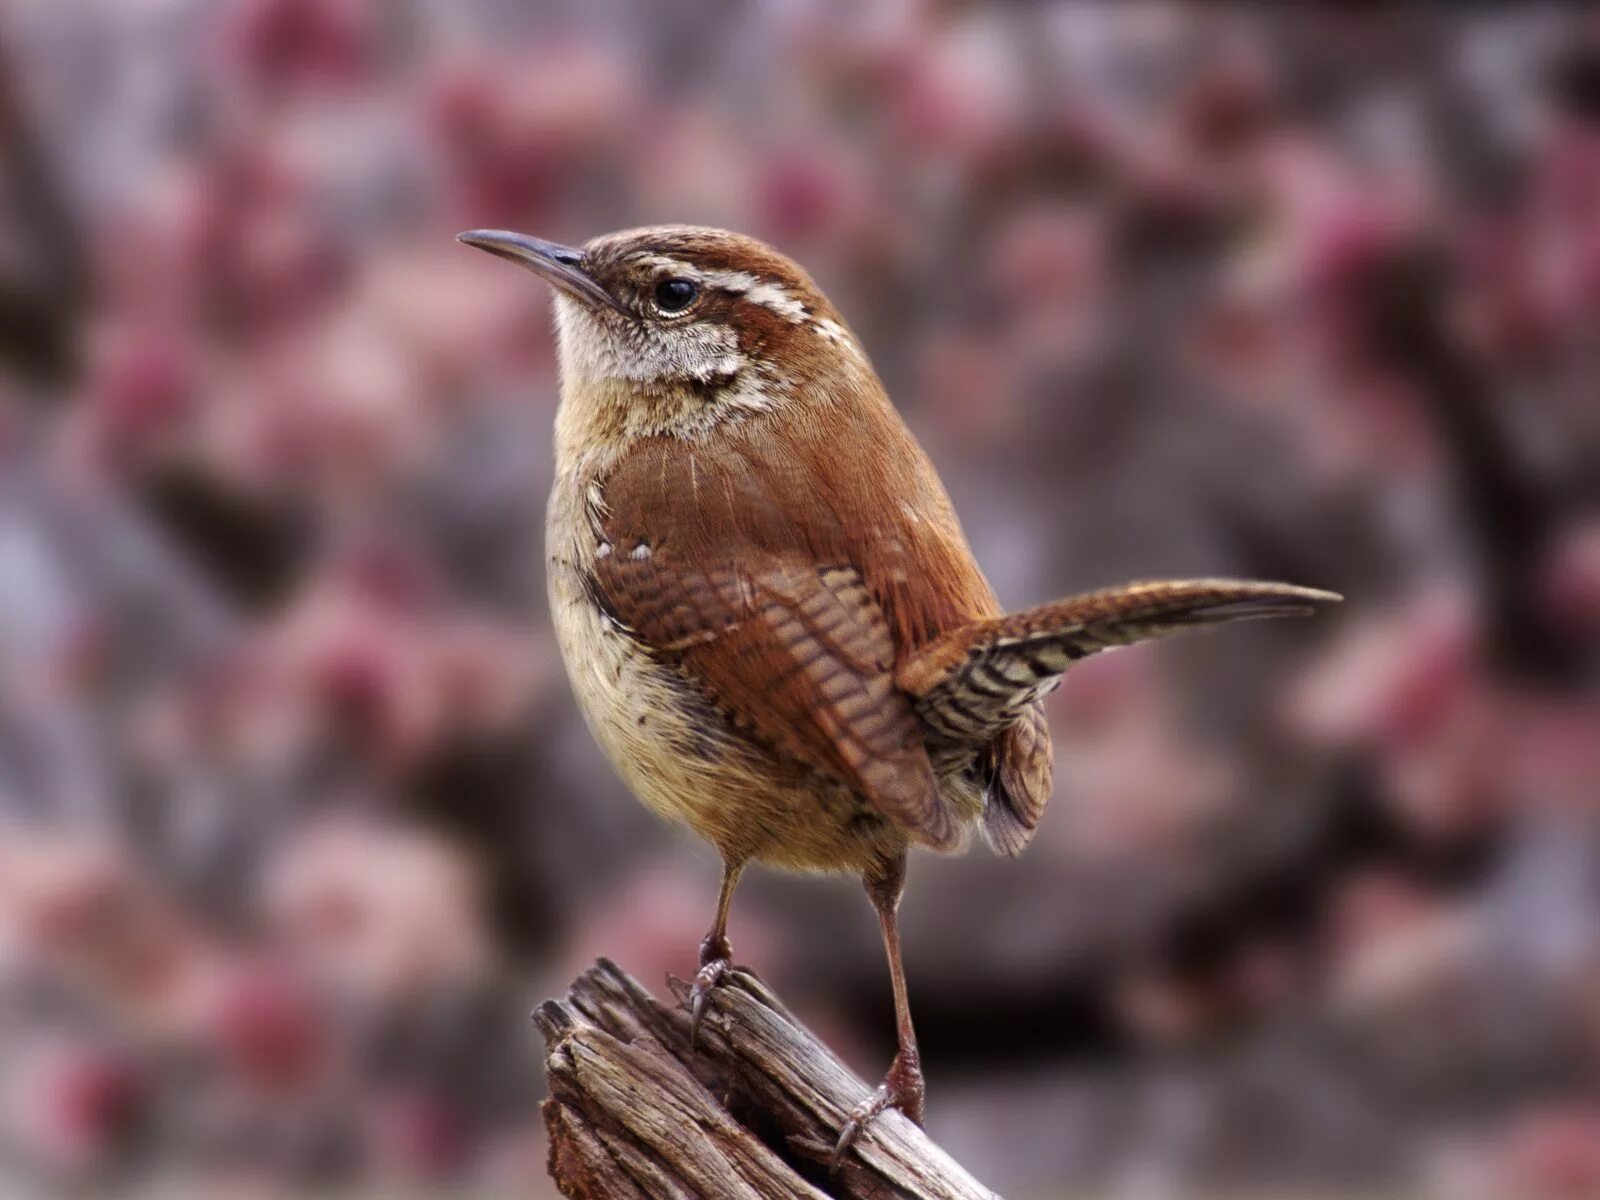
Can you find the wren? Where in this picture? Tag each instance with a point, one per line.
(768, 611)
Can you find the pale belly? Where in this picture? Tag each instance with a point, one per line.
(680, 756)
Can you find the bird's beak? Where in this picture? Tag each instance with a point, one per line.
(561, 265)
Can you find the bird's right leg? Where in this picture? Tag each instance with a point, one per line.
(903, 1087)
(716, 955)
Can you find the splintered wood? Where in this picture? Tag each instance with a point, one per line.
(750, 1113)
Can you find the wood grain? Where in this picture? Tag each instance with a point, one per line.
(750, 1114)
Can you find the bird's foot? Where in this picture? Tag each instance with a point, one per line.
(902, 1088)
(716, 960)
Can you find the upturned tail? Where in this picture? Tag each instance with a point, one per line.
(974, 681)
(982, 681)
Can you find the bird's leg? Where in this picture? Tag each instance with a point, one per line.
(903, 1087)
(716, 956)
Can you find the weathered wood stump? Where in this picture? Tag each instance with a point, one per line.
(750, 1113)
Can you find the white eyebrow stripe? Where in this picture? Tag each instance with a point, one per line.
(834, 332)
(769, 295)
(661, 262)
(758, 291)
(740, 282)
(776, 298)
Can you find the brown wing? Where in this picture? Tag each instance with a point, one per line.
(771, 618)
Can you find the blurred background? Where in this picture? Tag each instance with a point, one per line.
(298, 821)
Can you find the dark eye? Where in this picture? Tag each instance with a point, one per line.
(675, 295)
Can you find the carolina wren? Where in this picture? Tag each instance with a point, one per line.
(772, 621)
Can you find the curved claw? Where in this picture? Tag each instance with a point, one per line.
(860, 1117)
(706, 978)
(902, 1089)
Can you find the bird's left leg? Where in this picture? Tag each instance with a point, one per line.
(903, 1087)
(716, 955)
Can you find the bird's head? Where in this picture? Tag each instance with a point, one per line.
(679, 330)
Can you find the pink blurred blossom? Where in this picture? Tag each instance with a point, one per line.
(418, 1136)
(266, 1026)
(1555, 1155)
(1392, 943)
(70, 1106)
(282, 44)
(515, 136)
(381, 910)
(1571, 583)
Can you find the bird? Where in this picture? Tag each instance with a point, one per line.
(768, 611)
